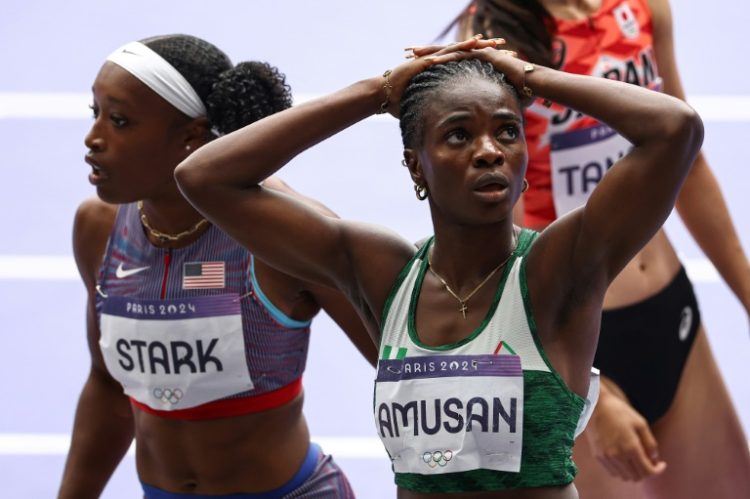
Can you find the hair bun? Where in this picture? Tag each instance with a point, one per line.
(246, 93)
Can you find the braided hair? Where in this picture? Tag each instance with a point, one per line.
(234, 96)
(436, 77)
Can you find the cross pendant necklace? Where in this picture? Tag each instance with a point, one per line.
(463, 301)
(464, 308)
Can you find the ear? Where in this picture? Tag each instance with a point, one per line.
(197, 133)
(411, 161)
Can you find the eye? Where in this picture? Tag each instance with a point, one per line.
(118, 121)
(509, 132)
(457, 136)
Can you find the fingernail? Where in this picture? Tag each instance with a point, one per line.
(478, 36)
(408, 48)
(410, 56)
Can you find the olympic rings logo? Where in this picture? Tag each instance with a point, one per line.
(437, 458)
(168, 395)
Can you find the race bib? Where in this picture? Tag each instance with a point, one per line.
(446, 414)
(175, 354)
(579, 160)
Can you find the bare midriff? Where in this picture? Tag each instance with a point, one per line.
(250, 453)
(647, 273)
(650, 271)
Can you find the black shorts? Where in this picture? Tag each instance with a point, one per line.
(643, 347)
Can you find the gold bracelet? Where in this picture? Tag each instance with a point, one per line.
(388, 89)
(525, 90)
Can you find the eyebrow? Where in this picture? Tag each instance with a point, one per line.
(506, 116)
(464, 115)
(115, 100)
(109, 98)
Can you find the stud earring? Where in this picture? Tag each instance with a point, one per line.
(187, 147)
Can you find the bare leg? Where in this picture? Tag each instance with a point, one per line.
(700, 437)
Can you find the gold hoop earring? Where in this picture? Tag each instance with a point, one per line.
(525, 185)
(420, 191)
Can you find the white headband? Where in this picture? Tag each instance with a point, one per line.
(160, 76)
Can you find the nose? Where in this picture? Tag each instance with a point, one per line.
(487, 153)
(94, 140)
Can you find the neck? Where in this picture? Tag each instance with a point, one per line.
(171, 216)
(465, 255)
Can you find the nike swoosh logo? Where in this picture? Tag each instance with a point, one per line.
(121, 273)
(126, 51)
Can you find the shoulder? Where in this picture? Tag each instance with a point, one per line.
(93, 213)
(378, 253)
(557, 264)
(91, 229)
(661, 16)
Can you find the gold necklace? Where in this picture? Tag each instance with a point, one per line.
(164, 237)
(463, 301)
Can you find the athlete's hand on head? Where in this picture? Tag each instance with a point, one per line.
(621, 440)
(422, 57)
(481, 42)
(504, 61)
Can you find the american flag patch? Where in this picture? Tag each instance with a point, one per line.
(203, 275)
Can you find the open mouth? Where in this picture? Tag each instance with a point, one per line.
(97, 174)
(491, 182)
(93, 164)
(493, 187)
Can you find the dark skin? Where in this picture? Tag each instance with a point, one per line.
(457, 139)
(619, 445)
(469, 132)
(135, 143)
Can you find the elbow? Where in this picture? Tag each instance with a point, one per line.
(191, 176)
(692, 128)
(684, 129)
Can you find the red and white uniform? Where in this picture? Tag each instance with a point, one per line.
(569, 152)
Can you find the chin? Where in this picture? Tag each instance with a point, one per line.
(114, 197)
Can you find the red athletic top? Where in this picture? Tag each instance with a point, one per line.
(615, 42)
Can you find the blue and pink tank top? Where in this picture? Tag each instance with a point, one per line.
(188, 332)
